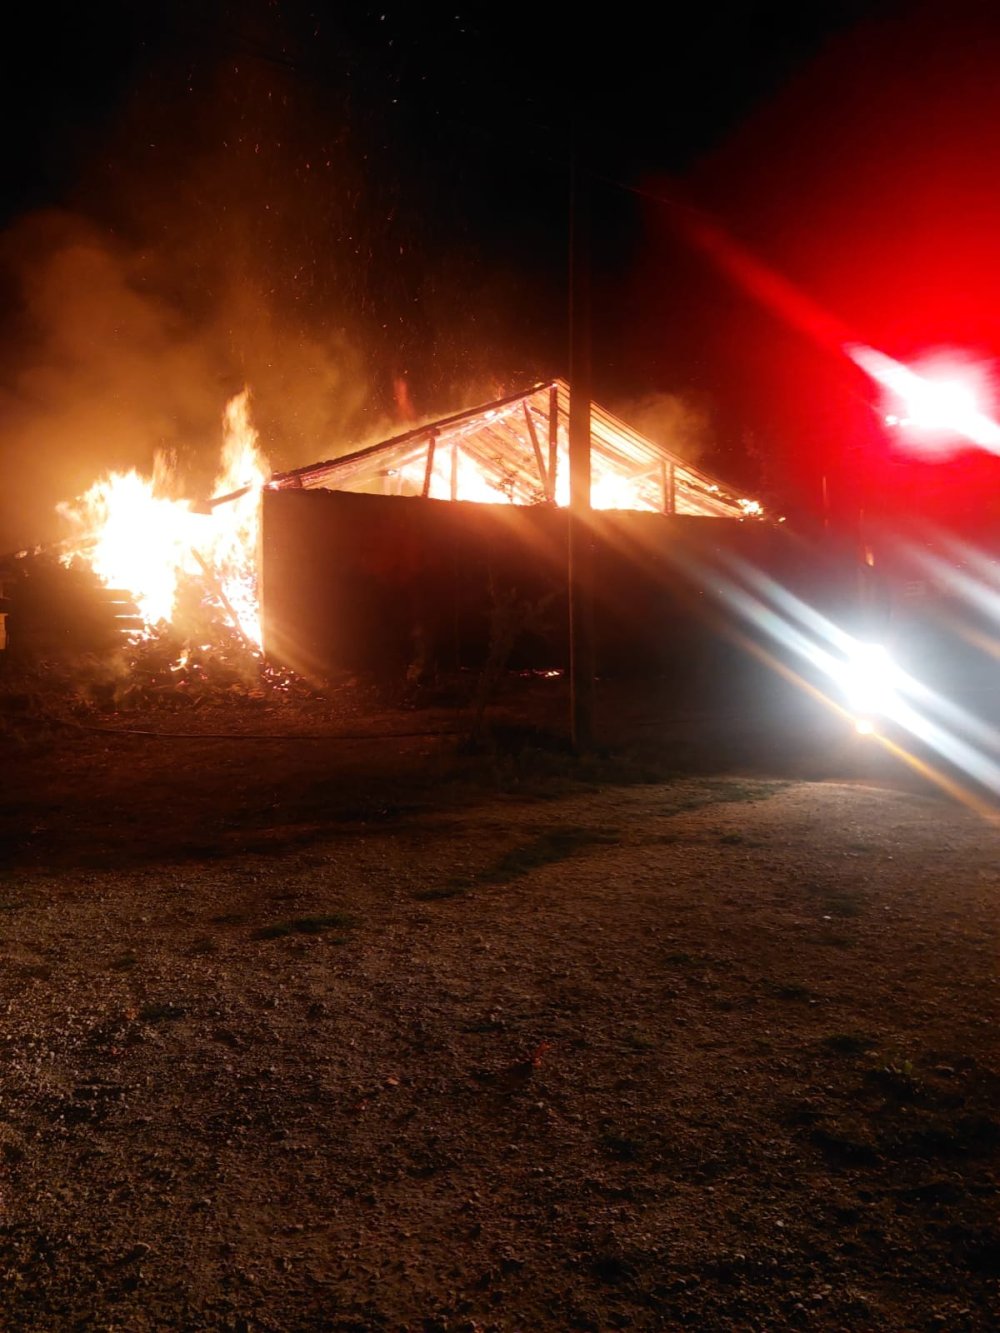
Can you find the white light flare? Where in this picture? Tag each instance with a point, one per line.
(871, 684)
(933, 406)
(979, 589)
(863, 681)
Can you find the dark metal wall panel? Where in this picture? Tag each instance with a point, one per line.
(369, 584)
(352, 582)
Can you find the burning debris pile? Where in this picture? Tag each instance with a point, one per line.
(166, 670)
(134, 535)
(153, 599)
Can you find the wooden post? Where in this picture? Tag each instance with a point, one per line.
(429, 470)
(580, 553)
(553, 439)
(668, 487)
(539, 460)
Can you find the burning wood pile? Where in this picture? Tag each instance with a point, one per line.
(132, 533)
(153, 600)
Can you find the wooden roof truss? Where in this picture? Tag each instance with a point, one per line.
(516, 449)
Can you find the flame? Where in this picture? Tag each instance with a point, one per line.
(461, 470)
(456, 474)
(471, 483)
(232, 539)
(136, 536)
(610, 490)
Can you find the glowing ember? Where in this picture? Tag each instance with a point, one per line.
(135, 535)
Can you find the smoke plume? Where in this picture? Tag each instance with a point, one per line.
(670, 420)
(244, 222)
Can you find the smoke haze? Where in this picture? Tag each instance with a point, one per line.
(241, 224)
(672, 421)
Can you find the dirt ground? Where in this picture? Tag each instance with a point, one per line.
(312, 1020)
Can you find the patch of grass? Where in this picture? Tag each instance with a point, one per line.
(802, 1113)
(896, 1079)
(35, 971)
(834, 900)
(369, 811)
(612, 1269)
(844, 905)
(978, 1247)
(730, 791)
(847, 1043)
(639, 1039)
(548, 848)
(620, 1146)
(845, 1145)
(304, 925)
(161, 1013)
(789, 991)
(962, 1136)
(542, 769)
(835, 941)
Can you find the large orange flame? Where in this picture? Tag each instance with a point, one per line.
(136, 536)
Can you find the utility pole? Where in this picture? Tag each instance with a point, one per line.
(580, 534)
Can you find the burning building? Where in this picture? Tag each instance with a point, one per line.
(419, 551)
(415, 549)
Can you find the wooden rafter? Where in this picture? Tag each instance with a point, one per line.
(539, 460)
(503, 441)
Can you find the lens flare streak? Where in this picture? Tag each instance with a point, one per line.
(932, 404)
(856, 672)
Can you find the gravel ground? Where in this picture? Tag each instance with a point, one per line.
(358, 1036)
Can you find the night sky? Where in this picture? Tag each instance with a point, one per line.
(362, 212)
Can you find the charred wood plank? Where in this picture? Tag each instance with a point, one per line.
(220, 592)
